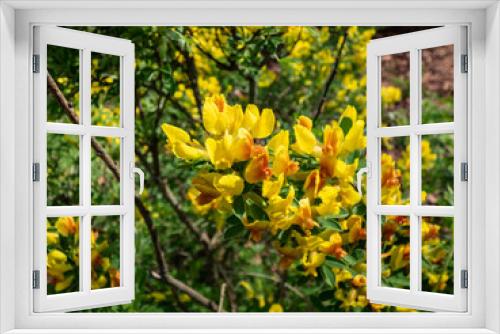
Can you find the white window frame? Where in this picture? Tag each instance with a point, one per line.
(16, 21)
(86, 44)
(412, 44)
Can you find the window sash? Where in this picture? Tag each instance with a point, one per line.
(413, 43)
(86, 43)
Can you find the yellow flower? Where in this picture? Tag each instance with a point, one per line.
(249, 292)
(270, 188)
(332, 142)
(259, 125)
(229, 185)
(391, 95)
(311, 261)
(313, 184)
(220, 151)
(329, 201)
(219, 117)
(210, 188)
(276, 308)
(359, 281)
(305, 141)
(333, 246)
(52, 238)
(349, 195)
(256, 228)
(303, 217)
(66, 226)
(180, 143)
(258, 168)
(281, 159)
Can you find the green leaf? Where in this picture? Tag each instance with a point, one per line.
(329, 222)
(233, 220)
(328, 276)
(334, 263)
(346, 125)
(348, 259)
(239, 205)
(233, 231)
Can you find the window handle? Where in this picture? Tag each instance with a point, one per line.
(134, 170)
(359, 177)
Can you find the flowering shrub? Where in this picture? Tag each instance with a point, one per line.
(262, 201)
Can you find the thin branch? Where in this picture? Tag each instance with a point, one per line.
(159, 255)
(331, 77)
(193, 78)
(221, 297)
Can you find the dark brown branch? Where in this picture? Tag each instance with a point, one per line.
(159, 255)
(193, 78)
(331, 77)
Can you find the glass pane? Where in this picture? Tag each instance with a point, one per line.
(437, 84)
(437, 254)
(62, 255)
(395, 251)
(105, 252)
(63, 171)
(437, 169)
(395, 171)
(63, 65)
(105, 90)
(395, 89)
(105, 185)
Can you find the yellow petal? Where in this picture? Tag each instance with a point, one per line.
(188, 152)
(211, 117)
(305, 121)
(251, 117)
(279, 140)
(265, 124)
(272, 188)
(349, 112)
(175, 134)
(305, 141)
(242, 146)
(231, 185)
(276, 308)
(355, 139)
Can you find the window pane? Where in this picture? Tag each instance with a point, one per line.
(395, 89)
(105, 252)
(437, 254)
(395, 170)
(437, 169)
(63, 249)
(437, 84)
(395, 251)
(105, 90)
(63, 155)
(63, 65)
(105, 185)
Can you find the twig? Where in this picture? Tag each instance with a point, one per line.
(221, 297)
(331, 77)
(159, 255)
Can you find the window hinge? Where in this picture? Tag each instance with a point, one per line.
(464, 171)
(36, 172)
(36, 279)
(465, 63)
(36, 63)
(464, 279)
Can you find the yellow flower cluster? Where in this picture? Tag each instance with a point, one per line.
(63, 258)
(251, 162)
